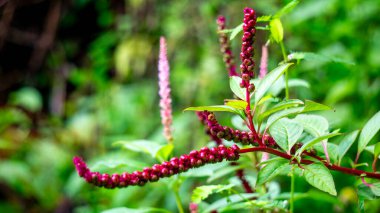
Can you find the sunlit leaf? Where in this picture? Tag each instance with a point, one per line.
(280, 106)
(368, 131)
(235, 87)
(311, 143)
(271, 170)
(236, 31)
(346, 143)
(317, 57)
(320, 177)
(286, 133)
(268, 80)
(202, 192)
(237, 104)
(276, 30)
(286, 9)
(314, 106)
(216, 108)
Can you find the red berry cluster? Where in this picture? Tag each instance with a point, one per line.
(246, 54)
(225, 47)
(215, 129)
(176, 165)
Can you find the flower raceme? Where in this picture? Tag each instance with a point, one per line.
(225, 47)
(168, 168)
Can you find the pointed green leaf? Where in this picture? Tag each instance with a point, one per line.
(202, 192)
(281, 114)
(235, 87)
(216, 108)
(236, 31)
(368, 131)
(271, 170)
(280, 106)
(237, 104)
(286, 9)
(332, 150)
(376, 151)
(318, 58)
(276, 30)
(311, 143)
(286, 133)
(315, 125)
(145, 146)
(346, 143)
(263, 18)
(320, 177)
(314, 106)
(164, 152)
(268, 80)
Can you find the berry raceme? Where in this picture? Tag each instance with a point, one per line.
(225, 47)
(246, 54)
(168, 168)
(215, 129)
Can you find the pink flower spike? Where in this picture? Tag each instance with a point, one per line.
(164, 91)
(264, 61)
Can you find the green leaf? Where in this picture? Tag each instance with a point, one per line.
(235, 87)
(314, 106)
(237, 104)
(236, 31)
(28, 98)
(286, 133)
(346, 143)
(369, 193)
(226, 202)
(276, 30)
(281, 114)
(311, 143)
(263, 18)
(216, 108)
(318, 58)
(286, 9)
(202, 192)
(332, 150)
(145, 146)
(320, 177)
(141, 210)
(271, 170)
(315, 125)
(369, 130)
(268, 80)
(280, 106)
(221, 173)
(376, 151)
(164, 152)
(280, 85)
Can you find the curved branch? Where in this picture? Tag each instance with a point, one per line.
(350, 171)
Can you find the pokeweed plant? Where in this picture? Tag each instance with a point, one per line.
(292, 141)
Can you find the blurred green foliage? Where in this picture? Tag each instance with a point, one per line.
(111, 95)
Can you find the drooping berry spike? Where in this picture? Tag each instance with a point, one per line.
(176, 165)
(225, 47)
(246, 54)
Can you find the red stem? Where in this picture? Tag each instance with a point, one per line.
(350, 171)
(251, 126)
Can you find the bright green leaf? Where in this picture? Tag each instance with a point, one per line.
(377, 150)
(320, 177)
(263, 18)
(237, 104)
(164, 152)
(216, 108)
(202, 192)
(236, 31)
(368, 131)
(332, 150)
(286, 133)
(145, 146)
(271, 170)
(315, 125)
(286, 9)
(268, 81)
(346, 143)
(311, 143)
(235, 87)
(280, 106)
(317, 58)
(276, 30)
(314, 106)
(281, 114)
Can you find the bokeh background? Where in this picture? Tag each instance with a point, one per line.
(77, 76)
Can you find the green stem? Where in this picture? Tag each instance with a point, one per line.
(292, 192)
(286, 72)
(178, 201)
